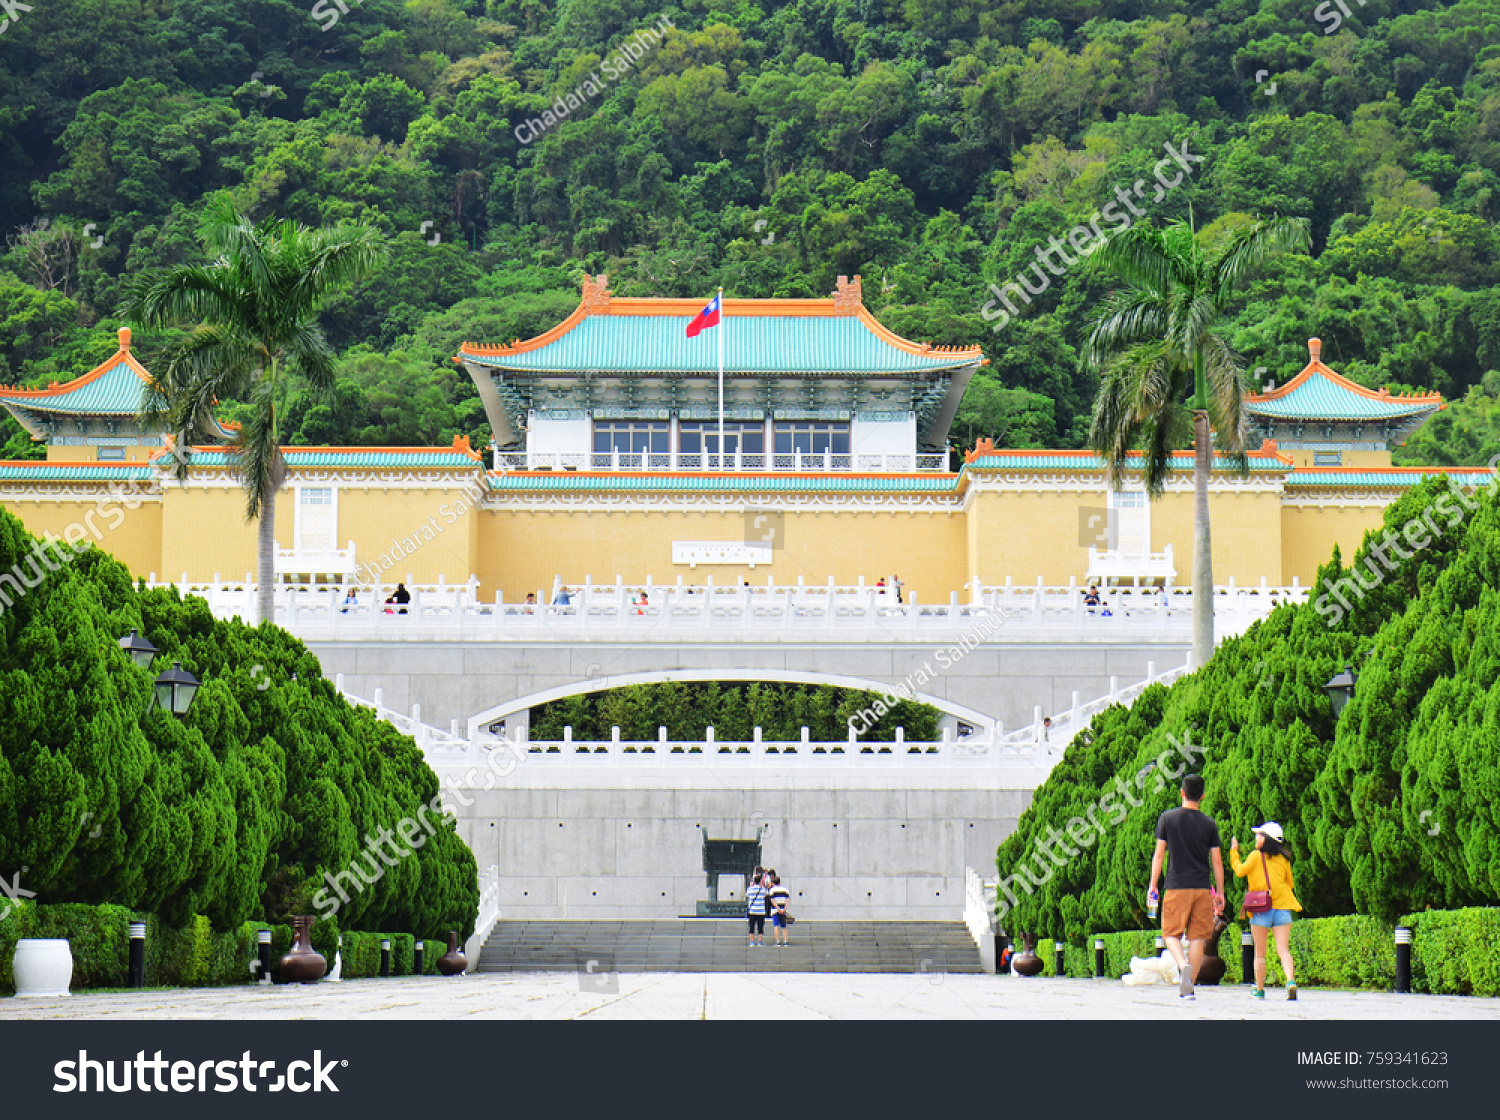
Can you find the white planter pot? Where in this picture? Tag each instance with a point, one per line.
(43, 968)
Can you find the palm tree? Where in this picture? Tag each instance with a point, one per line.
(253, 317)
(1155, 346)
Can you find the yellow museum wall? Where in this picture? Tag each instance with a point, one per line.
(135, 453)
(521, 550)
(1025, 534)
(383, 523)
(1311, 532)
(1245, 530)
(1303, 457)
(204, 532)
(135, 540)
(1021, 534)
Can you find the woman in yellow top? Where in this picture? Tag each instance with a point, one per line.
(1270, 843)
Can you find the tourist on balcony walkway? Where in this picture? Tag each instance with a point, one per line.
(400, 598)
(350, 600)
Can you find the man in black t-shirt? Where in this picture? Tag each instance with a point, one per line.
(1190, 839)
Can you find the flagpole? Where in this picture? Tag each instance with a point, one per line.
(723, 321)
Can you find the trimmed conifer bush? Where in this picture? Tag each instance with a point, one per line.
(236, 812)
(1389, 809)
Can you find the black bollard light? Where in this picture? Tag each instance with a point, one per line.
(1062, 969)
(416, 959)
(1247, 958)
(1161, 945)
(263, 942)
(385, 956)
(1099, 957)
(1403, 959)
(137, 955)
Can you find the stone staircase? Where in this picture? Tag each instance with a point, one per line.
(721, 945)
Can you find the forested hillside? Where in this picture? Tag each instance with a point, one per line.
(506, 146)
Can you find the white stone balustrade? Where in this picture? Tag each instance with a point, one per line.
(483, 762)
(800, 461)
(653, 611)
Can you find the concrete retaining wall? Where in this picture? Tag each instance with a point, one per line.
(458, 680)
(637, 853)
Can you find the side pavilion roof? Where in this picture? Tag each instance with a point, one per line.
(1317, 393)
(112, 389)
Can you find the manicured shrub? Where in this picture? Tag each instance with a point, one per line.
(1455, 952)
(238, 811)
(1388, 809)
(98, 937)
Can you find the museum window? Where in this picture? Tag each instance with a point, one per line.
(811, 437)
(631, 436)
(699, 436)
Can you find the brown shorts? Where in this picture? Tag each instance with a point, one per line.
(1190, 911)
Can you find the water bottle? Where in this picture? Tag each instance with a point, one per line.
(1152, 901)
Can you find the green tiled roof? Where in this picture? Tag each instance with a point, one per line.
(1320, 398)
(73, 472)
(749, 483)
(1051, 461)
(115, 392)
(772, 344)
(374, 458)
(1387, 478)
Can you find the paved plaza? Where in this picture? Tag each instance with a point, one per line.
(739, 996)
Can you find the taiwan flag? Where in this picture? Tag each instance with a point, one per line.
(708, 317)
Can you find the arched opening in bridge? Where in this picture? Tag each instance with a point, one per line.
(780, 710)
(514, 713)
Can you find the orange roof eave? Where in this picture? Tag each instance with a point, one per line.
(1185, 452)
(1392, 470)
(1318, 368)
(687, 308)
(123, 354)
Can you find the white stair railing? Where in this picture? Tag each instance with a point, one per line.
(979, 905)
(489, 914)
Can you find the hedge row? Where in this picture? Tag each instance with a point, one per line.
(1454, 952)
(194, 955)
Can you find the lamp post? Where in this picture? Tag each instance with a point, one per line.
(140, 649)
(175, 690)
(1341, 689)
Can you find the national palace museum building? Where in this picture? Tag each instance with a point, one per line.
(834, 464)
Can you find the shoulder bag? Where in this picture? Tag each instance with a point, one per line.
(1258, 902)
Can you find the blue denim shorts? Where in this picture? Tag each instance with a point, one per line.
(1269, 919)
